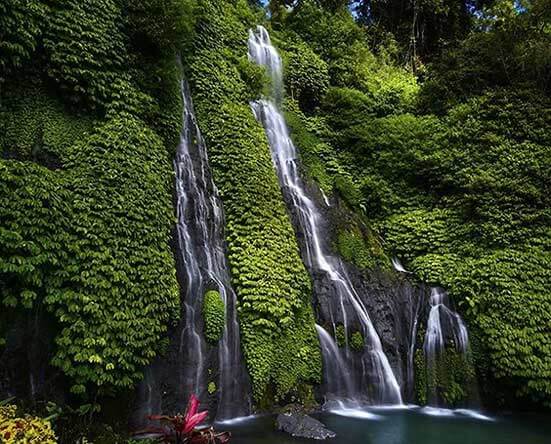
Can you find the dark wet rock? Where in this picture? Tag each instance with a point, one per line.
(300, 425)
(396, 303)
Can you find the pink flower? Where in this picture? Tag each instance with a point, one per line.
(192, 417)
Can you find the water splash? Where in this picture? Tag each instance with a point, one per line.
(349, 375)
(398, 266)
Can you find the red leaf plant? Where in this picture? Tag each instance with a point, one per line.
(180, 429)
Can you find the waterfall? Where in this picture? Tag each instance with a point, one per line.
(201, 250)
(440, 312)
(398, 265)
(363, 375)
(443, 326)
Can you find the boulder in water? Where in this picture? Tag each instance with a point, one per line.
(300, 425)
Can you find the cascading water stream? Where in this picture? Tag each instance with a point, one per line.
(367, 375)
(434, 338)
(443, 324)
(202, 252)
(412, 310)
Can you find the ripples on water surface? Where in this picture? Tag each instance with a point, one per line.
(411, 425)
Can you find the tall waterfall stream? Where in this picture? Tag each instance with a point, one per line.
(201, 254)
(343, 385)
(201, 243)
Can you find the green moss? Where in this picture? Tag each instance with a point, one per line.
(352, 247)
(357, 341)
(340, 335)
(421, 380)
(355, 338)
(211, 388)
(214, 316)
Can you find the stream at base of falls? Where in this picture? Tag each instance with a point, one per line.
(413, 425)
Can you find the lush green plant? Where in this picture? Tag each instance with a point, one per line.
(211, 388)
(89, 69)
(306, 75)
(462, 196)
(28, 429)
(357, 341)
(509, 47)
(450, 379)
(214, 316)
(20, 24)
(465, 203)
(86, 200)
(37, 127)
(67, 250)
(340, 335)
(352, 247)
(160, 26)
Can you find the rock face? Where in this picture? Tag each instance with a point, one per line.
(397, 305)
(301, 425)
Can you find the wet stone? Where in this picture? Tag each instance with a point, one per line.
(301, 425)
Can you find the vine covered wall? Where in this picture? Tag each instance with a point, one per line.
(86, 182)
(274, 290)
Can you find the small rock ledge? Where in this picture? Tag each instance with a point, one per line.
(300, 425)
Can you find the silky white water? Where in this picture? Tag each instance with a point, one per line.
(443, 324)
(201, 247)
(434, 337)
(398, 265)
(341, 381)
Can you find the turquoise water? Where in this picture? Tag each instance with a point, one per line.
(411, 426)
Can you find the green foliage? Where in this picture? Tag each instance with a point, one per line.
(508, 48)
(330, 170)
(35, 126)
(254, 77)
(318, 158)
(62, 242)
(306, 75)
(20, 23)
(161, 26)
(214, 316)
(352, 247)
(342, 44)
(211, 388)
(357, 341)
(88, 68)
(276, 319)
(420, 28)
(340, 335)
(464, 200)
(463, 195)
(85, 200)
